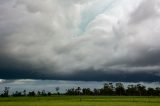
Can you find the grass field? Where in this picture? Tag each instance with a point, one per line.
(84, 101)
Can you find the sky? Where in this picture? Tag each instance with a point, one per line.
(50, 85)
(80, 40)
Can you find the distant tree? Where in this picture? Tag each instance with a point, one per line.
(107, 89)
(49, 93)
(150, 91)
(131, 90)
(44, 93)
(96, 91)
(32, 93)
(39, 93)
(57, 90)
(120, 90)
(141, 89)
(24, 92)
(87, 91)
(6, 92)
(157, 91)
(78, 90)
(70, 91)
(17, 94)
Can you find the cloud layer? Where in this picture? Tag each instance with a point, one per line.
(67, 38)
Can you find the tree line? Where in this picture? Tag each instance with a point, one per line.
(108, 89)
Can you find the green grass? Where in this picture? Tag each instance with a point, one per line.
(85, 101)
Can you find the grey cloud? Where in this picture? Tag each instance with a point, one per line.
(40, 39)
(146, 10)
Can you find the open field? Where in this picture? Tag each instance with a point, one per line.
(84, 101)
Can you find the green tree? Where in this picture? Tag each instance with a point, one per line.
(6, 91)
(157, 91)
(131, 90)
(107, 89)
(120, 90)
(141, 89)
(57, 90)
(87, 91)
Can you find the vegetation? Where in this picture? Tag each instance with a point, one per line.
(85, 101)
(110, 95)
(108, 89)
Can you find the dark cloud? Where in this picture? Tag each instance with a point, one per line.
(80, 40)
(85, 75)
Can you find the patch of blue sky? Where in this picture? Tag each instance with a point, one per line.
(96, 9)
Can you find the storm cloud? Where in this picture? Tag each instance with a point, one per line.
(73, 39)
